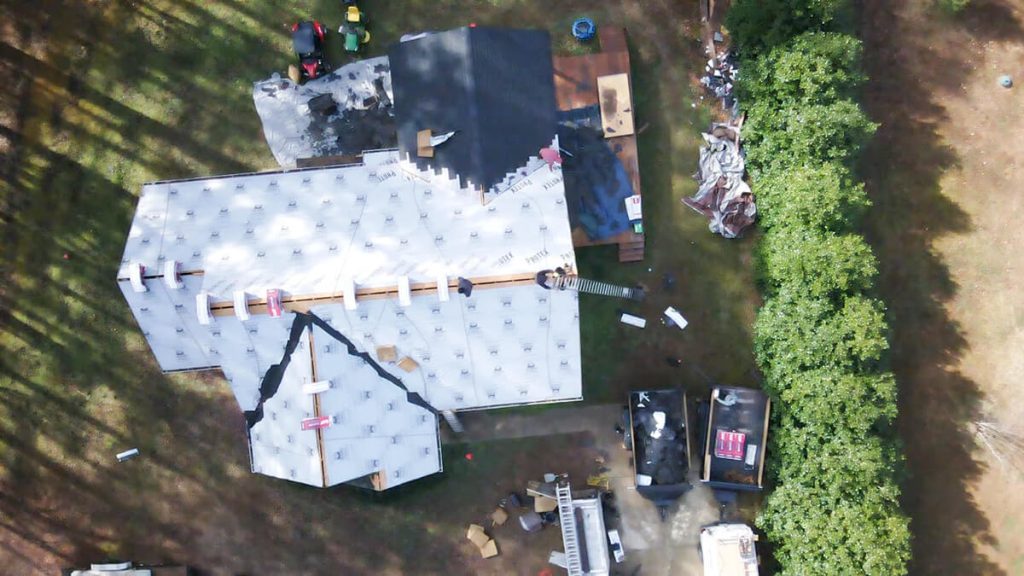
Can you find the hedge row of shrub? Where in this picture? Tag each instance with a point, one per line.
(821, 336)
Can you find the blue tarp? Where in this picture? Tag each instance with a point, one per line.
(596, 182)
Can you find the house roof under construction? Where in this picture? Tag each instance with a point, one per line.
(328, 298)
(493, 86)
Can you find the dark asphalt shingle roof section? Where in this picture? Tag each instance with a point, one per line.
(493, 85)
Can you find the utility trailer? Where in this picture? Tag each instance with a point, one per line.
(658, 433)
(734, 439)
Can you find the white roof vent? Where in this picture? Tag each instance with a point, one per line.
(404, 291)
(203, 308)
(135, 273)
(442, 288)
(241, 305)
(172, 275)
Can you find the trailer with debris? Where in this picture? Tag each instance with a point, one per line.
(734, 439)
(658, 433)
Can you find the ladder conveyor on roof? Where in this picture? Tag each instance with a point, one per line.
(594, 287)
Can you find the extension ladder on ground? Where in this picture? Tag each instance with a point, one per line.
(567, 519)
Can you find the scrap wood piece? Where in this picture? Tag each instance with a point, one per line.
(616, 104)
(489, 550)
(387, 353)
(540, 489)
(477, 535)
(544, 504)
(499, 516)
(676, 318)
(423, 147)
(633, 320)
(408, 364)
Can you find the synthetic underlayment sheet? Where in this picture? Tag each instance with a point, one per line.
(307, 232)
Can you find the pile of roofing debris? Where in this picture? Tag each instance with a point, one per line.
(657, 431)
(723, 197)
(342, 113)
(720, 75)
(579, 515)
(731, 432)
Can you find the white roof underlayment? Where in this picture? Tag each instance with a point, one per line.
(311, 231)
(380, 226)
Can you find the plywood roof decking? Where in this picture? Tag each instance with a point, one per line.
(576, 77)
(612, 39)
(576, 87)
(616, 102)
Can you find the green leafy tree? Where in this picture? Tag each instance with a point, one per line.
(819, 340)
(807, 134)
(830, 400)
(830, 458)
(817, 531)
(816, 196)
(815, 67)
(794, 334)
(759, 25)
(816, 264)
(952, 7)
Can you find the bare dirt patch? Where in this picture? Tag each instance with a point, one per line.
(945, 177)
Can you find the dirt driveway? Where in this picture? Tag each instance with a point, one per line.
(945, 174)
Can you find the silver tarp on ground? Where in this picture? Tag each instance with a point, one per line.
(344, 112)
(723, 197)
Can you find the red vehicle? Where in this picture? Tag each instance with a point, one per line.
(308, 42)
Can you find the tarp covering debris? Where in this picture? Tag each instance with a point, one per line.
(596, 182)
(343, 113)
(723, 197)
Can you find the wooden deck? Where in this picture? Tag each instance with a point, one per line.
(576, 87)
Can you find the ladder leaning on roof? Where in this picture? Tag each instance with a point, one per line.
(567, 520)
(559, 280)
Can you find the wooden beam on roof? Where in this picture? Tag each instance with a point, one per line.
(303, 303)
(316, 411)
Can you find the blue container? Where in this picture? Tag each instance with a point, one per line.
(583, 29)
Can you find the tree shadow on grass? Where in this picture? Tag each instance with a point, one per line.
(903, 168)
(108, 104)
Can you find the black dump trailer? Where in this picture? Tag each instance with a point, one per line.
(658, 433)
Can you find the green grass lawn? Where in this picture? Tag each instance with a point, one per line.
(100, 97)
